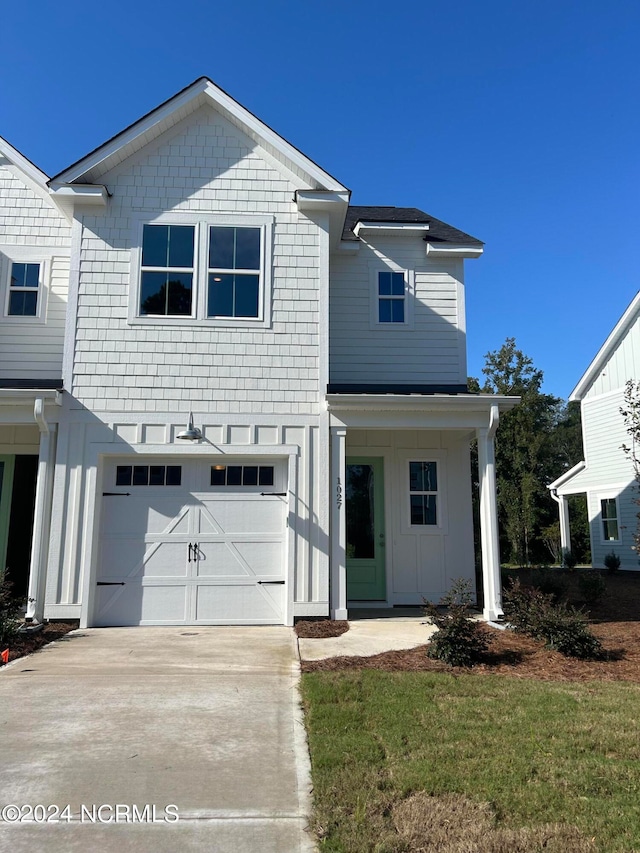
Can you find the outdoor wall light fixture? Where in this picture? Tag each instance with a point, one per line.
(191, 433)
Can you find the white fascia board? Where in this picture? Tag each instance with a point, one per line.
(334, 204)
(93, 194)
(28, 168)
(200, 90)
(606, 350)
(20, 396)
(563, 479)
(389, 228)
(419, 402)
(452, 251)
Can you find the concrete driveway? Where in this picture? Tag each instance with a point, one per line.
(205, 720)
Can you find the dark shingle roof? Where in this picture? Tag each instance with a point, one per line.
(439, 232)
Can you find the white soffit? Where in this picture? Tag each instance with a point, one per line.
(607, 349)
(148, 128)
(453, 251)
(389, 229)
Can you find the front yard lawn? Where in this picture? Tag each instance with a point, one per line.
(524, 754)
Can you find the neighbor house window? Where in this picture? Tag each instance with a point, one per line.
(234, 272)
(609, 512)
(423, 493)
(166, 285)
(24, 290)
(391, 297)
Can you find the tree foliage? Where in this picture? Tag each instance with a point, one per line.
(630, 411)
(535, 443)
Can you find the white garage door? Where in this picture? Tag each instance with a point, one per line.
(187, 542)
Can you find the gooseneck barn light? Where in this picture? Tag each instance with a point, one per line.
(191, 433)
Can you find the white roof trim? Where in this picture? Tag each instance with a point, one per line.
(390, 227)
(563, 479)
(93, 194)
(18, 396)
(607, 349)
(419, 402)
(453, 251)
(202, 89)
(28, 168)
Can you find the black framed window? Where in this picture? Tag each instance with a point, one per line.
(242, 475)
(166, 284)
(24, 290)
(235, 259)
(149, 475)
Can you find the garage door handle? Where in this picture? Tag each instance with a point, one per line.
(110, 583)
(275, 494)
(261, 582)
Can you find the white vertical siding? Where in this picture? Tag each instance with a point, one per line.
(622, 365)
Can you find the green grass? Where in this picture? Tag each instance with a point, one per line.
(538, 752)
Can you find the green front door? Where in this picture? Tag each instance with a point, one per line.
(6, 487)
(365, 529)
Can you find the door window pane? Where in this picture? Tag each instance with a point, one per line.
(360, 512)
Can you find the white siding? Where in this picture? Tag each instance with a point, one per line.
(627, 526)
(207, 165)
(32, 229)
(622, 365)
(604, 433)
(431, 350)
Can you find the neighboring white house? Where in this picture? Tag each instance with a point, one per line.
(606, 473)
(264, 412)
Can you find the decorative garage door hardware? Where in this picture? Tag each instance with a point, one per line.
(116, 494)
(273, 494)
(194, 552)
(266, 582)
(110, 583)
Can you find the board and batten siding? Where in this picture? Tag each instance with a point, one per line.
(623, 364)
(32, 229)
(429, 350)
(205, 166)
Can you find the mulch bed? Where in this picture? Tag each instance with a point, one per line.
(615, 621)
(319, 629)
(24, 644)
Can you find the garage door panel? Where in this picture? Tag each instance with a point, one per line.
(221, 560)
(238, 603)
(250, 514)
(265, 558)
(131, 558)
(130, 515)
(134, 604)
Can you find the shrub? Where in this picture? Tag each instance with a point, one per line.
(459, 640)
(569, 559)
(561, 626)
(9, 613)
(612, 562)
(547, 581)
(592, 586)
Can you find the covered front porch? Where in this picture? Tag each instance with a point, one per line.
(401, 503)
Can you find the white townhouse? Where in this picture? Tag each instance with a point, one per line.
(242, 400)
(606, 474)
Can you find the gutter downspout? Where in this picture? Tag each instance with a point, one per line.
(41, 515)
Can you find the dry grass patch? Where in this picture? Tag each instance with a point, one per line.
(453, 823)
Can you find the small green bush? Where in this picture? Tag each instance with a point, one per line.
(459, 640)
(547, 581)
(561, 626)
(9, 613)
(592, 586)
(569, 559)
(612, 562)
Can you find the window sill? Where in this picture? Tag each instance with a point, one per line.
(197, 322)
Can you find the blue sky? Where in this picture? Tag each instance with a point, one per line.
(517, 122)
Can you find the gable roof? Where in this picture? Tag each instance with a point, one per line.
(607, 349)
(439, 232)
(202, 91)
(20, 162)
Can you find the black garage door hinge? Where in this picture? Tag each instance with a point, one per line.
(110, 583)
(261, 582)
(116, 494)
(274, 494)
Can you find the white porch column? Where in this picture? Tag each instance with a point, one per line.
(338, 524)
(42, 515)
(489, 519)
(565, 526)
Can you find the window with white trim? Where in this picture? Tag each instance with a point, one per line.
(609, 514)
(423, 493)
(391, 297)
(213, 270)
(24, 290)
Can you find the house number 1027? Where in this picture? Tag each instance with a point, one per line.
(339, 494)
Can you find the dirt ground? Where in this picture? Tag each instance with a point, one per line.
(24, 644)
(615, 620)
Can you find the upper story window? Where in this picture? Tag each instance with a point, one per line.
(391, 297)
(24, 290)
(166, 283)
(234, 272)
(209, 269)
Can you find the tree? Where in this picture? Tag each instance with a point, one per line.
(630, 411)
(526, 452)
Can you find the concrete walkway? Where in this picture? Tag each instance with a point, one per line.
(203, 719)
(370, 636)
